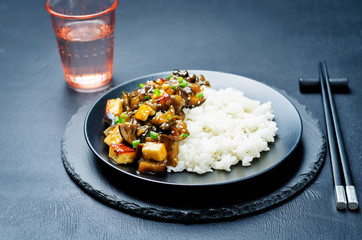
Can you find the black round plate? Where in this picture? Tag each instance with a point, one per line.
(286, 116)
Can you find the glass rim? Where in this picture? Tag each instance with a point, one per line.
(85, 16)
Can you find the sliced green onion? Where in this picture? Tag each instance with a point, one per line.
(123, 115)
(183, 84)
(119, 119)
(169, 77)
(153, 135)
(174, 87)
(200, 95)
(185, 135)
(141, 85)
(168, 116)
(147, 97)
(135, 143)
(157, 92)
(180, 79)
(116, 119)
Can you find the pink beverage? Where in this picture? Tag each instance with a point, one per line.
(85, 33)
(86, 50)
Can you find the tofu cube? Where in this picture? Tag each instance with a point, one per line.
(108, 130)
(114, 136)
(114, 106)
(160, 81)
(121, 153)
(143, 112)
(154, 151)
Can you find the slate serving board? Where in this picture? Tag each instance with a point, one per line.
(193, 204)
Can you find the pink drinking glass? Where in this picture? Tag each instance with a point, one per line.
(85, 34)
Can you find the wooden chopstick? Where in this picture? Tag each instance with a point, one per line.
(347, 175)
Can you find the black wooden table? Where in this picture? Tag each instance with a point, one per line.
(274, 42)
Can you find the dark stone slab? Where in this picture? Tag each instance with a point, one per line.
(190, 204)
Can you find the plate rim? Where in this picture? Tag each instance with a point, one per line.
(142, 178)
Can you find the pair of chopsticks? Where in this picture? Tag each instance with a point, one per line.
(336, 145)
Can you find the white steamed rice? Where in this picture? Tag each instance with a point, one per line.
(227, 128)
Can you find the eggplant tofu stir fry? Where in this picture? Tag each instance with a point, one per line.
(147, 124)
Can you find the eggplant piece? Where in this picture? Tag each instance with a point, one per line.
(185, 97)
(126, 102)
(181, 126)
(161, 101)
(134, 93)
(176, 101)
(165, 117)
(191, 78)
(202, 81)
(172, 148)
(176, 72)
(139, 151)
(181, 114)
(148, 89)
(195, 87)
(109, 118)
(185, 94)
(201, 78)
(132, 120)
(165, 126)
(174, 132)
(183, 74)
(142, 129)
(144, 135)
(152, 167)
(135, 102)
(128, 132)
(179, 129)
(149, 139)
(195, 101)
(187, 90)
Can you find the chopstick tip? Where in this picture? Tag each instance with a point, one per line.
(340, 197)
(353, 205)
(352, 197)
